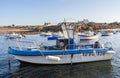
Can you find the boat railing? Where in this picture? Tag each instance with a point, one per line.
(80, 46)
(22, 44)
(88, 46)
(108, 44)
(105, 42)
(30, 44)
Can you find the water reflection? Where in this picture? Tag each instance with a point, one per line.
(89, 70)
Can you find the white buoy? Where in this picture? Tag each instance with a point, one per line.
(112, 52)
(54, 58)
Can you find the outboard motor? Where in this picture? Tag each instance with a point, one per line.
(62, 43)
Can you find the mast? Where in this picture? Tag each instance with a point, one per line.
(68, 32)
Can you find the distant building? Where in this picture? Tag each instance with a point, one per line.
(47, 24)
(84, 21)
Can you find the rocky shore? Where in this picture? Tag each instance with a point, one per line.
(79, 27)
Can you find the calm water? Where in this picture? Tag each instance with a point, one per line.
(104, 69)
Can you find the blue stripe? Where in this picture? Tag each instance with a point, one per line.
(35, 52)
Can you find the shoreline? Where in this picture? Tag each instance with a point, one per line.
(18, 31)
(25, 30)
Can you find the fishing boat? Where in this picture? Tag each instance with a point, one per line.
(66, 51)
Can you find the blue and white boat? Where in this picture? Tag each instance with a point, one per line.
(66, 51)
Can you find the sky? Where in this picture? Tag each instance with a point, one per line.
(36, 12)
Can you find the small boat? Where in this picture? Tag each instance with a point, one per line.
(46, 34)
(14, 36)
(66, 51)
(42, 34)
(84, 37)
(87, 36)
(105, 33)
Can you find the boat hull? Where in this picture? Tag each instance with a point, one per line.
(65, 59)
(107, 34)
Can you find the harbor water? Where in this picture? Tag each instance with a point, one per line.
(12, 68)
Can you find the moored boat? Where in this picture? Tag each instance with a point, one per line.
(87, 36)
(66, 51)
(105, 33)
(46, 33)
(14, 36)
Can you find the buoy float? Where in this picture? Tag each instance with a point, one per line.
(54, 58)
(113, 52)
